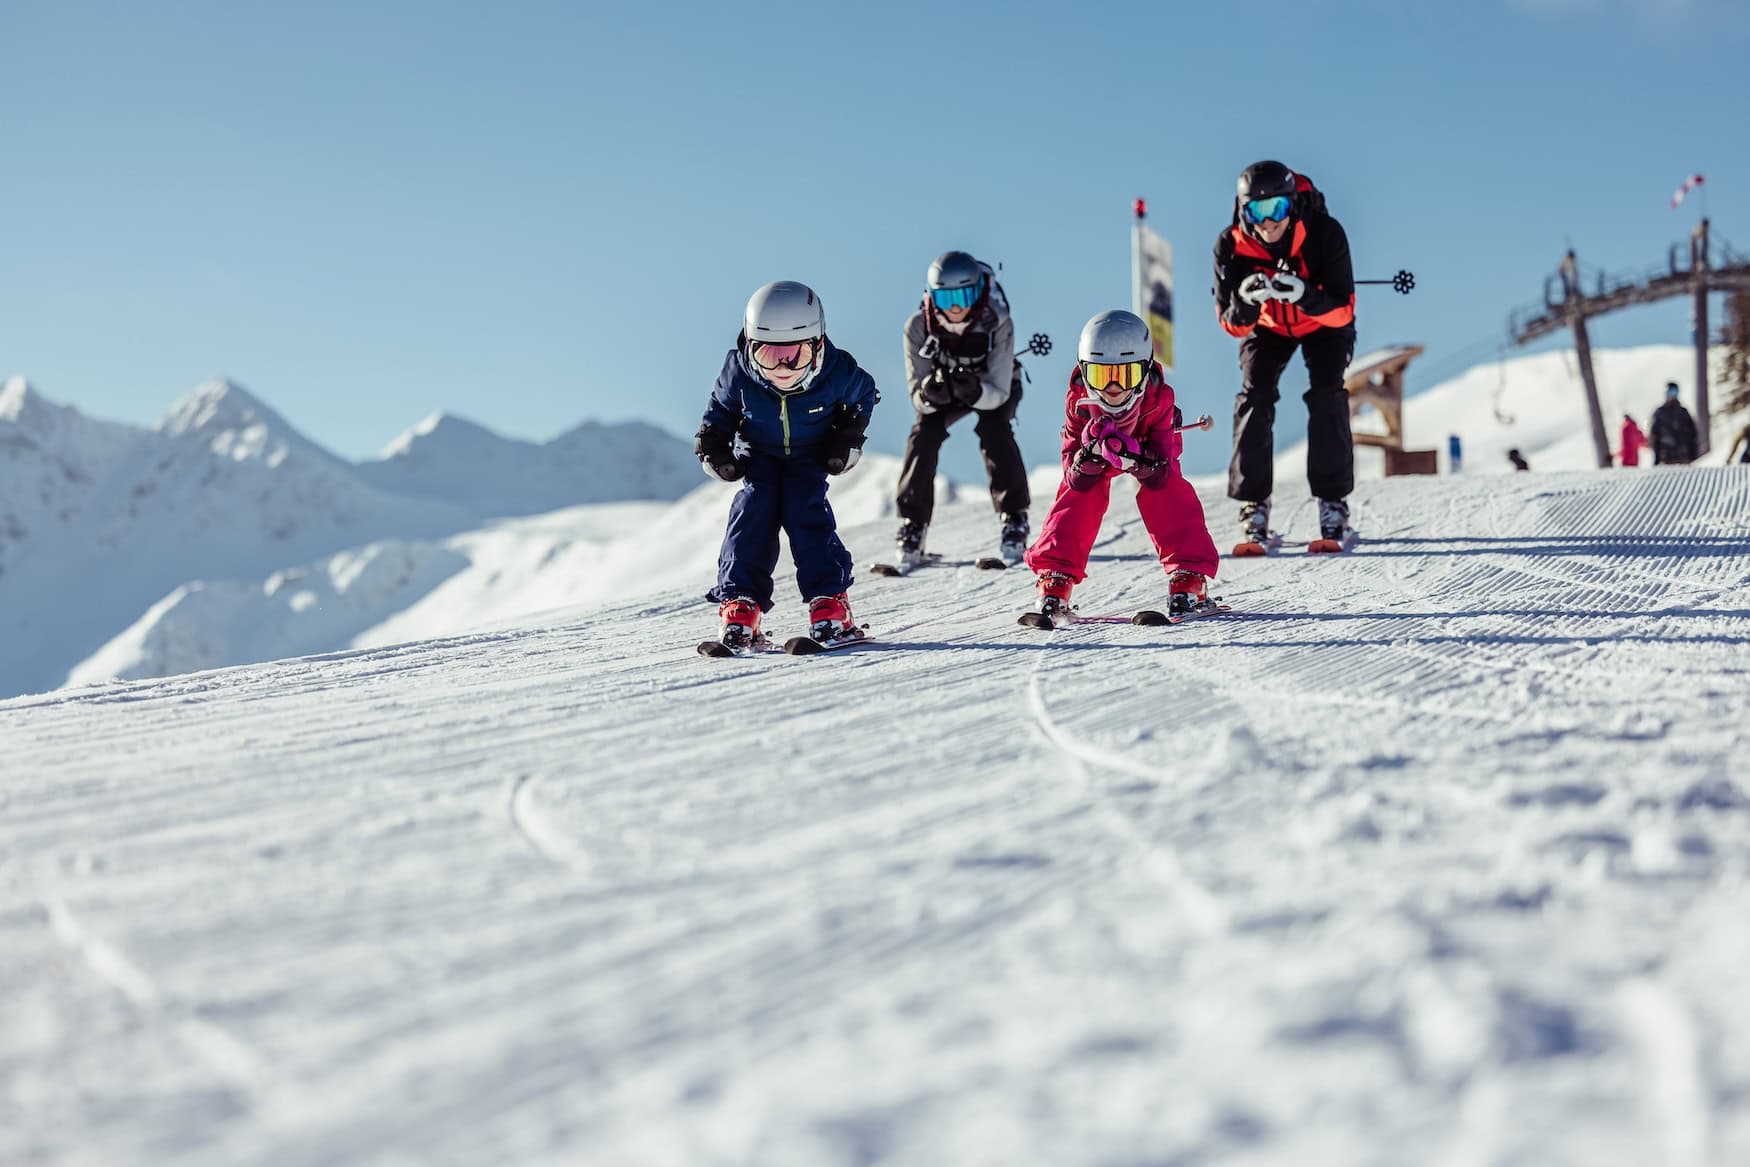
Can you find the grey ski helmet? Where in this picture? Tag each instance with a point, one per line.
(955, 280)
(953, 269)
(1116, 338)
(782, 312)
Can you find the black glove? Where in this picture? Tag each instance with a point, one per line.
(1239, 313)
(843, 446)
(965, 386)
(716, 453)
(1149, 472)
(937, 389)
(1087, 468)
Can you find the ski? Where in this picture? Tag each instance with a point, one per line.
(1251, 549)
(934, 559)
(895, 570)
(1147, 616)
(808, 646)
(1334, 546)
(716, 648)
(1213, 607)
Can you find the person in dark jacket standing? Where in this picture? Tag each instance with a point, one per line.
(1283, 281)
(788, 410)
(1673, 436)
(960, 360)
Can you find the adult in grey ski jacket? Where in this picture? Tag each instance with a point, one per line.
(960, 361)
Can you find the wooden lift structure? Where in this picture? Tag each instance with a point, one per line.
(1567, 305)
(1377, 379)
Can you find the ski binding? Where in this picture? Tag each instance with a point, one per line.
(809, 646)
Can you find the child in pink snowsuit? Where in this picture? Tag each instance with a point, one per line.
(1126, 426)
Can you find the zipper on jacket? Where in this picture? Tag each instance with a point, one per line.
(784, 416)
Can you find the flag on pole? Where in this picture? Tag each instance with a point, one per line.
(1154, 288)
(1689, 184)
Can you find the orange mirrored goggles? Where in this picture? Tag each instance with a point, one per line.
(1106, 378)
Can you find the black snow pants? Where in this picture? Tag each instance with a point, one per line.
(1330, 450)
(996, 441)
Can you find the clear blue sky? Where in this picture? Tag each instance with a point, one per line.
(532, 214)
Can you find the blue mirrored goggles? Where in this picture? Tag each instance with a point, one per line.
(946, 298)
(1272, 210)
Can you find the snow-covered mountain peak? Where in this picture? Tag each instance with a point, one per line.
(509, 476)
(233, 423)
(28, 419)
(13, 395)
(24, 407)
(218, 404)
(595, 435)
(442, 434)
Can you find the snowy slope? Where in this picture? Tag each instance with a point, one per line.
(1437, 853)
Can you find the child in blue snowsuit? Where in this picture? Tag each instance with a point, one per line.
(799, 407)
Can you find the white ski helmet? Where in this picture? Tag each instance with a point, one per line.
(783, 312)
(1116, 338)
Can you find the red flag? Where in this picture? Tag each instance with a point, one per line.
(1689, 184)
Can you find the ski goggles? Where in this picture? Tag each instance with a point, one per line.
(1111, 378)
(946, 298)
(772, 357)
(1272, 210)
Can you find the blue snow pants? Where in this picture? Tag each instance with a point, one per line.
(787, 494)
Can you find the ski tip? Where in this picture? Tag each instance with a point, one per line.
(1250, 551)
(991, 563)
(1150, 617)
(1036, 620)
(886, 569)
(1324, 547)
(715, 648)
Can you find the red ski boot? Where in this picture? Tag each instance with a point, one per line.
(1053, 588)
(829, 617)
(1186, 592)
(741, 622)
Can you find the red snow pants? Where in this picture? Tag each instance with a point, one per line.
(1171, 511)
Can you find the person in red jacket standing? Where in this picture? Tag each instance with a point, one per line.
(1632, 442)
(1119, 418)
(1283, 281)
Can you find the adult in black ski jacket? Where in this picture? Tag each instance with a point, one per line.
(1283, 282)
(1673, 437)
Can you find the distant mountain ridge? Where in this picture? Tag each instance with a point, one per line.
(100, 521)
(590, 463)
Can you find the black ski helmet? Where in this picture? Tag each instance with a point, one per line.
(1265, 180)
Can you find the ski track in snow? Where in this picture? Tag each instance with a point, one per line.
(1437, 852)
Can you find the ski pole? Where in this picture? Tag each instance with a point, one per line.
(1400, 283)
(1203, 423)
